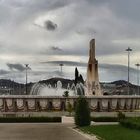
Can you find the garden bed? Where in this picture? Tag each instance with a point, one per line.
(29, 119)
(104, 119)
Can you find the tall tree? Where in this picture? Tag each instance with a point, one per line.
(76, 75)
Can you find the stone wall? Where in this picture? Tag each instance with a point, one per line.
(48, 103)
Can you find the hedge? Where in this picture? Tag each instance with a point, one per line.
(82, 112)
(104, 119)
(132, 123)
(29, 119)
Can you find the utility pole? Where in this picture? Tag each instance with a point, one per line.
(128, 88)
(137, 65)
(61, 65)
(26, 65)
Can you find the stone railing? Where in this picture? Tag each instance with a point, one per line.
(55, 103)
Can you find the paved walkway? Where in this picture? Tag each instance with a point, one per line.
(104, 123)
(38, 132)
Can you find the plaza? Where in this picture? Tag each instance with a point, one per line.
(33, 131)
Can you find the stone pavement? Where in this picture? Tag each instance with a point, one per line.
(104, 123)
(36, 131)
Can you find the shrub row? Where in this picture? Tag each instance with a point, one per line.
(29, 119)
(104, 119)
(119, 117)
(132, 123)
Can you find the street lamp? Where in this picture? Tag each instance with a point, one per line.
(61, 65)
(128, 50)
(137, 65)
(26, 65)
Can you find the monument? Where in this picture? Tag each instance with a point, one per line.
(92, 82)
(24, 105)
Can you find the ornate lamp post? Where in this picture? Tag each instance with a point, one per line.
(128, 50)
(137, 65)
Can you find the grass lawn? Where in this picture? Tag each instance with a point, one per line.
(113, 132)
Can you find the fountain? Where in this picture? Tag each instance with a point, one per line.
(58, 90)
(47, 96)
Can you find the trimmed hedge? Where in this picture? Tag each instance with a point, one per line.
(29, 119)
(132, 123)
(82, 112)
(104, 119)
(120, 116)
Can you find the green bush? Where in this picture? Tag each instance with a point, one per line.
(121, 116)
(104, 119)
(82, 112)
(69, 108)
(29, 119)
(133, 123)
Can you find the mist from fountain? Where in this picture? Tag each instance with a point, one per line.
(58, 90)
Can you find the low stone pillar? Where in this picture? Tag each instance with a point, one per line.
(67, 120)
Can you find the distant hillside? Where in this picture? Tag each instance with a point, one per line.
(123, 83)
(14, 88)
(6, 82)
(119, 82)
(8, 87)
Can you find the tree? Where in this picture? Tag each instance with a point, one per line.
(82, 112)
(78, 78)
(66, 94)
(76, 75)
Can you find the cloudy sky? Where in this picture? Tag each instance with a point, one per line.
(35, 32)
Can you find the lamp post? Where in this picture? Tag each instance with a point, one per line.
(128, 50)
(137, 65)
(61, 65)
(26, 65)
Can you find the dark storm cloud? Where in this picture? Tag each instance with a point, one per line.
(52, 50)
(3, 72)
(67, 63)
(49, 25)
(16, 12)
(108, 67)
(55, 48)
(18, 67)
(66, 50)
